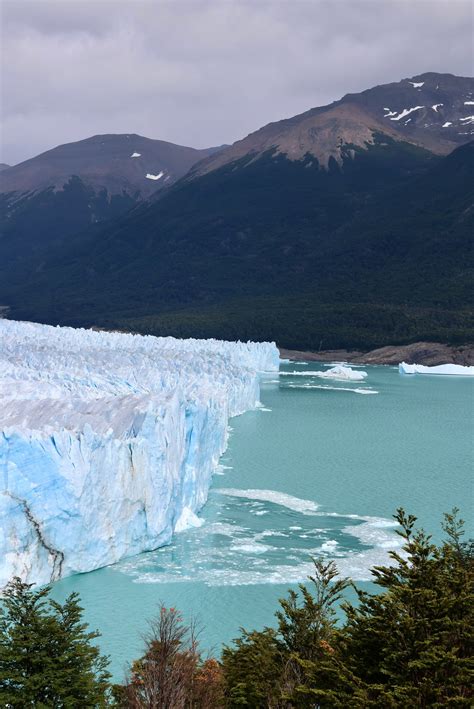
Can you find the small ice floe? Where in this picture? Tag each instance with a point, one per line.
(436, 106)
(406, 112)
(416, 84)
(450, 369)
(469, 103)
(337, 372)
(447, 124)
(136, 155)
(467, 119)
(149, 176)
(390, 113)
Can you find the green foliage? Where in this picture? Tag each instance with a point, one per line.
(303, 322)
(410, 646)
(253, 670)
(47, 656)
(413, 642)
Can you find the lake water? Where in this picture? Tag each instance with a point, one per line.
(318, 471)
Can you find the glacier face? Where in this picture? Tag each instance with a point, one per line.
(108, 441)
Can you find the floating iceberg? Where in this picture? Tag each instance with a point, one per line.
(338, 372)
(451, 369)
(108, 441)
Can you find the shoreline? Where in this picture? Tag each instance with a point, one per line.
(427, 353)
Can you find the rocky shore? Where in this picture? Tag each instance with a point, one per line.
(428, 353)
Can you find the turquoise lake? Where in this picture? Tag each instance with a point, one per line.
(317, 471)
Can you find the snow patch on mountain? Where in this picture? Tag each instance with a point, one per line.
(406, 112)
(149, 176)
(108, 441)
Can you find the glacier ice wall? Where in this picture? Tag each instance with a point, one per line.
(108, 441)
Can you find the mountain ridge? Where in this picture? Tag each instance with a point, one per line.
(322, 131)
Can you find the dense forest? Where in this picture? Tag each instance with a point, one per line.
(409, 645)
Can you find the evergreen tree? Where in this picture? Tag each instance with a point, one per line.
(253, 670)
(408, 647)
(47, 657)
(270, 668)
(315, 673)
(413, 642)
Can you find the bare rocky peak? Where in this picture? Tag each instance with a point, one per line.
(433, 111)
(119, 163)
(431, 105)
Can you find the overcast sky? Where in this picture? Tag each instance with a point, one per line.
(206, 72)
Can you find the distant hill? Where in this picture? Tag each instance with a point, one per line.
(338, 226)
(61, 192)
(119, 164)
(3, 166)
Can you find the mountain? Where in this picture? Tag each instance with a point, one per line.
(433, 111)
(116, 163)
(3, 166)
(63, 191)
(332, 226)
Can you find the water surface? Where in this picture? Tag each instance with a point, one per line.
(317, 471)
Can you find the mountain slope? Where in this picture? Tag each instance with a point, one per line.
(312, 255)
(331, 225)
(433, 111)
(400, 271)
(47, 199)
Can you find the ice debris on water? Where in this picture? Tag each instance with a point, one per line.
(108, 441)
(338, 372)
(451, 369)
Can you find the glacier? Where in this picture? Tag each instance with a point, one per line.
(108, 441)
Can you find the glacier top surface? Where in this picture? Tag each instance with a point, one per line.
(56, 377)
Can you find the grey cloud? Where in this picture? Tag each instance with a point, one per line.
(205, 72)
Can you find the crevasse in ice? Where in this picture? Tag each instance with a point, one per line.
(108, 440)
